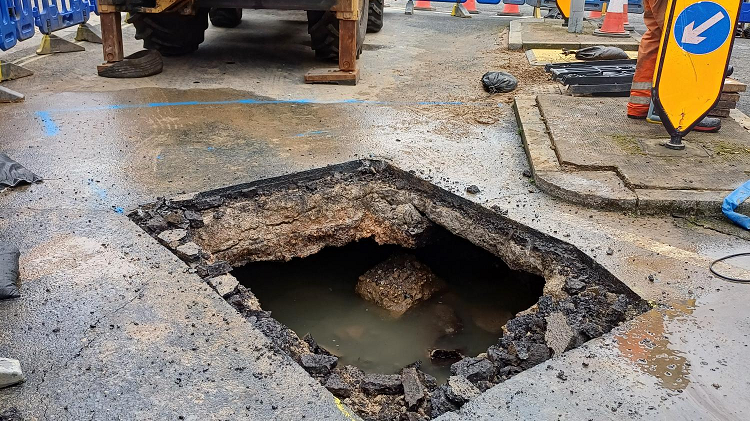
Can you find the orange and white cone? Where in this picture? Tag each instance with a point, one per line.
(598, 14)
(626, 24)
(471, 6)
(614, 21)
(510, 10)
(423, 5)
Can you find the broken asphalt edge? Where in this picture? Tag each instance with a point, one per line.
(600, 187)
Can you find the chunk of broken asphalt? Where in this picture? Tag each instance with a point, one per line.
(318, 364)
(382, 384)
(472, 189)
(414, 391)
(474, 369)
(224, 284)
(172, 236)
(461, 390)
(439, 402)
(337, 386)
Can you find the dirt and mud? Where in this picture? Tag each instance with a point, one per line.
(298, 215)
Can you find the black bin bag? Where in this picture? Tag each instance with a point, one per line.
(499, 82)
(12, 173)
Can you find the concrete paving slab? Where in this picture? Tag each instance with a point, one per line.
(605, 159)
(550, 34)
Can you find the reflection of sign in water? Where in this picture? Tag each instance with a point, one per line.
(702, 27)
(693, 55)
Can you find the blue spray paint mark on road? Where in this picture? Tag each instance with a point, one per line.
(159, 157)
(50, 128)
(99, 191)
(102, 193)
(252, 101)
(210, 148)
(312, 133)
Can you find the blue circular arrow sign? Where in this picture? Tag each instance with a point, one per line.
(702, 27)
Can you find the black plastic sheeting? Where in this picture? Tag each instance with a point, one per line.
(600, 52)
(9, 271)
(12, 173)
(499, 82)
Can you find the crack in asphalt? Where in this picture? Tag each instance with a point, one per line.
(139, 294)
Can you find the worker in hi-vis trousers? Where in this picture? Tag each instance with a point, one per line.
(640, 92)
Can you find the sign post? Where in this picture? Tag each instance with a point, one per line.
(696, 44)
(573, 12)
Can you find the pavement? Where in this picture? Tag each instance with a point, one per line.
(609, 160)
(111, 325)
(532, 33)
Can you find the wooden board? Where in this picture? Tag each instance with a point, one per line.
(729, 96)
(332, 76)
(726, 104)
(718, 113)
(731, 85)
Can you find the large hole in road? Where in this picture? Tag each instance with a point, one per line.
(402, 299)
(456, 299)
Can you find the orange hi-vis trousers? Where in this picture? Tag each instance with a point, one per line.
(640, 92)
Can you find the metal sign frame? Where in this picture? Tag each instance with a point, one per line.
(668, 24)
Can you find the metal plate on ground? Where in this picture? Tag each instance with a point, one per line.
(595, 133)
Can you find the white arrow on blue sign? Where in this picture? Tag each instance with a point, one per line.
(702, 27)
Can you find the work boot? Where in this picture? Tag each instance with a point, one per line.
(707, 125)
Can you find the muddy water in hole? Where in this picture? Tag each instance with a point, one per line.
(316, 295)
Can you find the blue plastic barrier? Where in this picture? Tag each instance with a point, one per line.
(489, 1)
(18, 17)
(634, 6)
(16, 22)
(51, 16)
(745, 13)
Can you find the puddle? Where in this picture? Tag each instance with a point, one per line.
(646, 344)
(317, 295)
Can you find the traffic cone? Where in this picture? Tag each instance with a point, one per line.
(626, 24)
(614, 21)
(510, 10)
(423, 5)
(597, 14)
(471, 6)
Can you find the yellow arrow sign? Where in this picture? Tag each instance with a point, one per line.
(696, 44)
(564, 7)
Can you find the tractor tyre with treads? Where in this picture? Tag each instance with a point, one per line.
(225, 17)
(171, 34)
(375, 16)
(324, 32)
